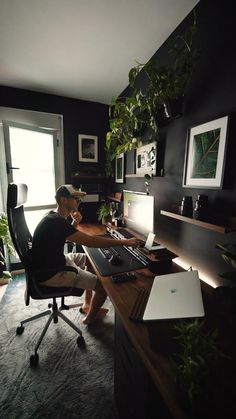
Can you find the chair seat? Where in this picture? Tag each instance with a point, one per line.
(44, 292)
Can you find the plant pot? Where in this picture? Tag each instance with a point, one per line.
(139, 133)
(174, 108)
(160, 117)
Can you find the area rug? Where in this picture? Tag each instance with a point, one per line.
(69, 382)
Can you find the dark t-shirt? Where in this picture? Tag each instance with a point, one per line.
(48, 242)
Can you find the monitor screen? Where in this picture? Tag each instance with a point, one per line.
(139, 212)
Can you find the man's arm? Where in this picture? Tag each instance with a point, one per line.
(99, 241)
(76, 218)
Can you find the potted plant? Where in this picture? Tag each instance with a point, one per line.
(229, 256)
(104, 213)
(166, 85)
(225, 295)
(197, 356)
(4, 241)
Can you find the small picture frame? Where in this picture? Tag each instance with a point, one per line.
(119, 169)
(88, 148)
(146, 159)
(205, 155)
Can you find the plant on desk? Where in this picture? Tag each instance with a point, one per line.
(104, 213)
(229, 256)
(198, 354)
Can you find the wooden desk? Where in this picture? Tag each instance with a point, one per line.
(123, 296)
(144, 375)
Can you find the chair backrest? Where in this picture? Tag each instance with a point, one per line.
(22, 241)
(20, 234)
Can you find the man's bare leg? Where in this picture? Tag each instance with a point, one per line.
(97, 301)
(89, 295)
(87, 299)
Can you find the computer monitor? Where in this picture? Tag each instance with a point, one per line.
(138, 210)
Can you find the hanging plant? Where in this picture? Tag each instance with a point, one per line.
(161, 101)
(127, 118)
(166, 85)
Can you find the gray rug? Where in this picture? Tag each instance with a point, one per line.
(69, 382)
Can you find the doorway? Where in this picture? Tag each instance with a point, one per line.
(33, 156)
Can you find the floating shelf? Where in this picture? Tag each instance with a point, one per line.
(112, 198)
(134, 175)
(89, 177)
(117, 197)
(229, 228)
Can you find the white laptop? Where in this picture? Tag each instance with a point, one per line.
(149, 243)
(174, 296)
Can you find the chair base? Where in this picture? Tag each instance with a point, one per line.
(54, 314)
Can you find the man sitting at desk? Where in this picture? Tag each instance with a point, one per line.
(49, 240)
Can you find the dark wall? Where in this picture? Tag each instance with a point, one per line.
(79, 117)
(211, 94)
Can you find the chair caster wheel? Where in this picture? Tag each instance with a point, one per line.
(34, 360)
(20, 330)
(80, 341)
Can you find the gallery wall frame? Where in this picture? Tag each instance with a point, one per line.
(205, 154)
(87, 148)
(120, 168)
(146, 159)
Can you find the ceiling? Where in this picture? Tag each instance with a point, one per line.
(82, 48)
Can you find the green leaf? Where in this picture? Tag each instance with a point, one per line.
(229, 260)
(228, 275)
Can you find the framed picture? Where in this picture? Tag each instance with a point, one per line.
(119, 169)
(88, 148)
(146, 159)
(205, 155)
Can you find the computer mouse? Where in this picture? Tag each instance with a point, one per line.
(115, 260)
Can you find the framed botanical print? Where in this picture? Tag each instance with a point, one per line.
(205, 155)
(88, 148)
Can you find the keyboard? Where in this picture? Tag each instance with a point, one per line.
(126, 234)
(138, 255)
(108, 252)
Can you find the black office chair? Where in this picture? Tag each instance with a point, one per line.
(22, 241)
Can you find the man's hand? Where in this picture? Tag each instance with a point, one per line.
(76, 217)
(133, 242)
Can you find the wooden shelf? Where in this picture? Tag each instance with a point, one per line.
(95, 178)
(134, 175)
(117, 197)
(229, 228)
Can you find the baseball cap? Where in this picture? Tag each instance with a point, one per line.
(68, 191)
